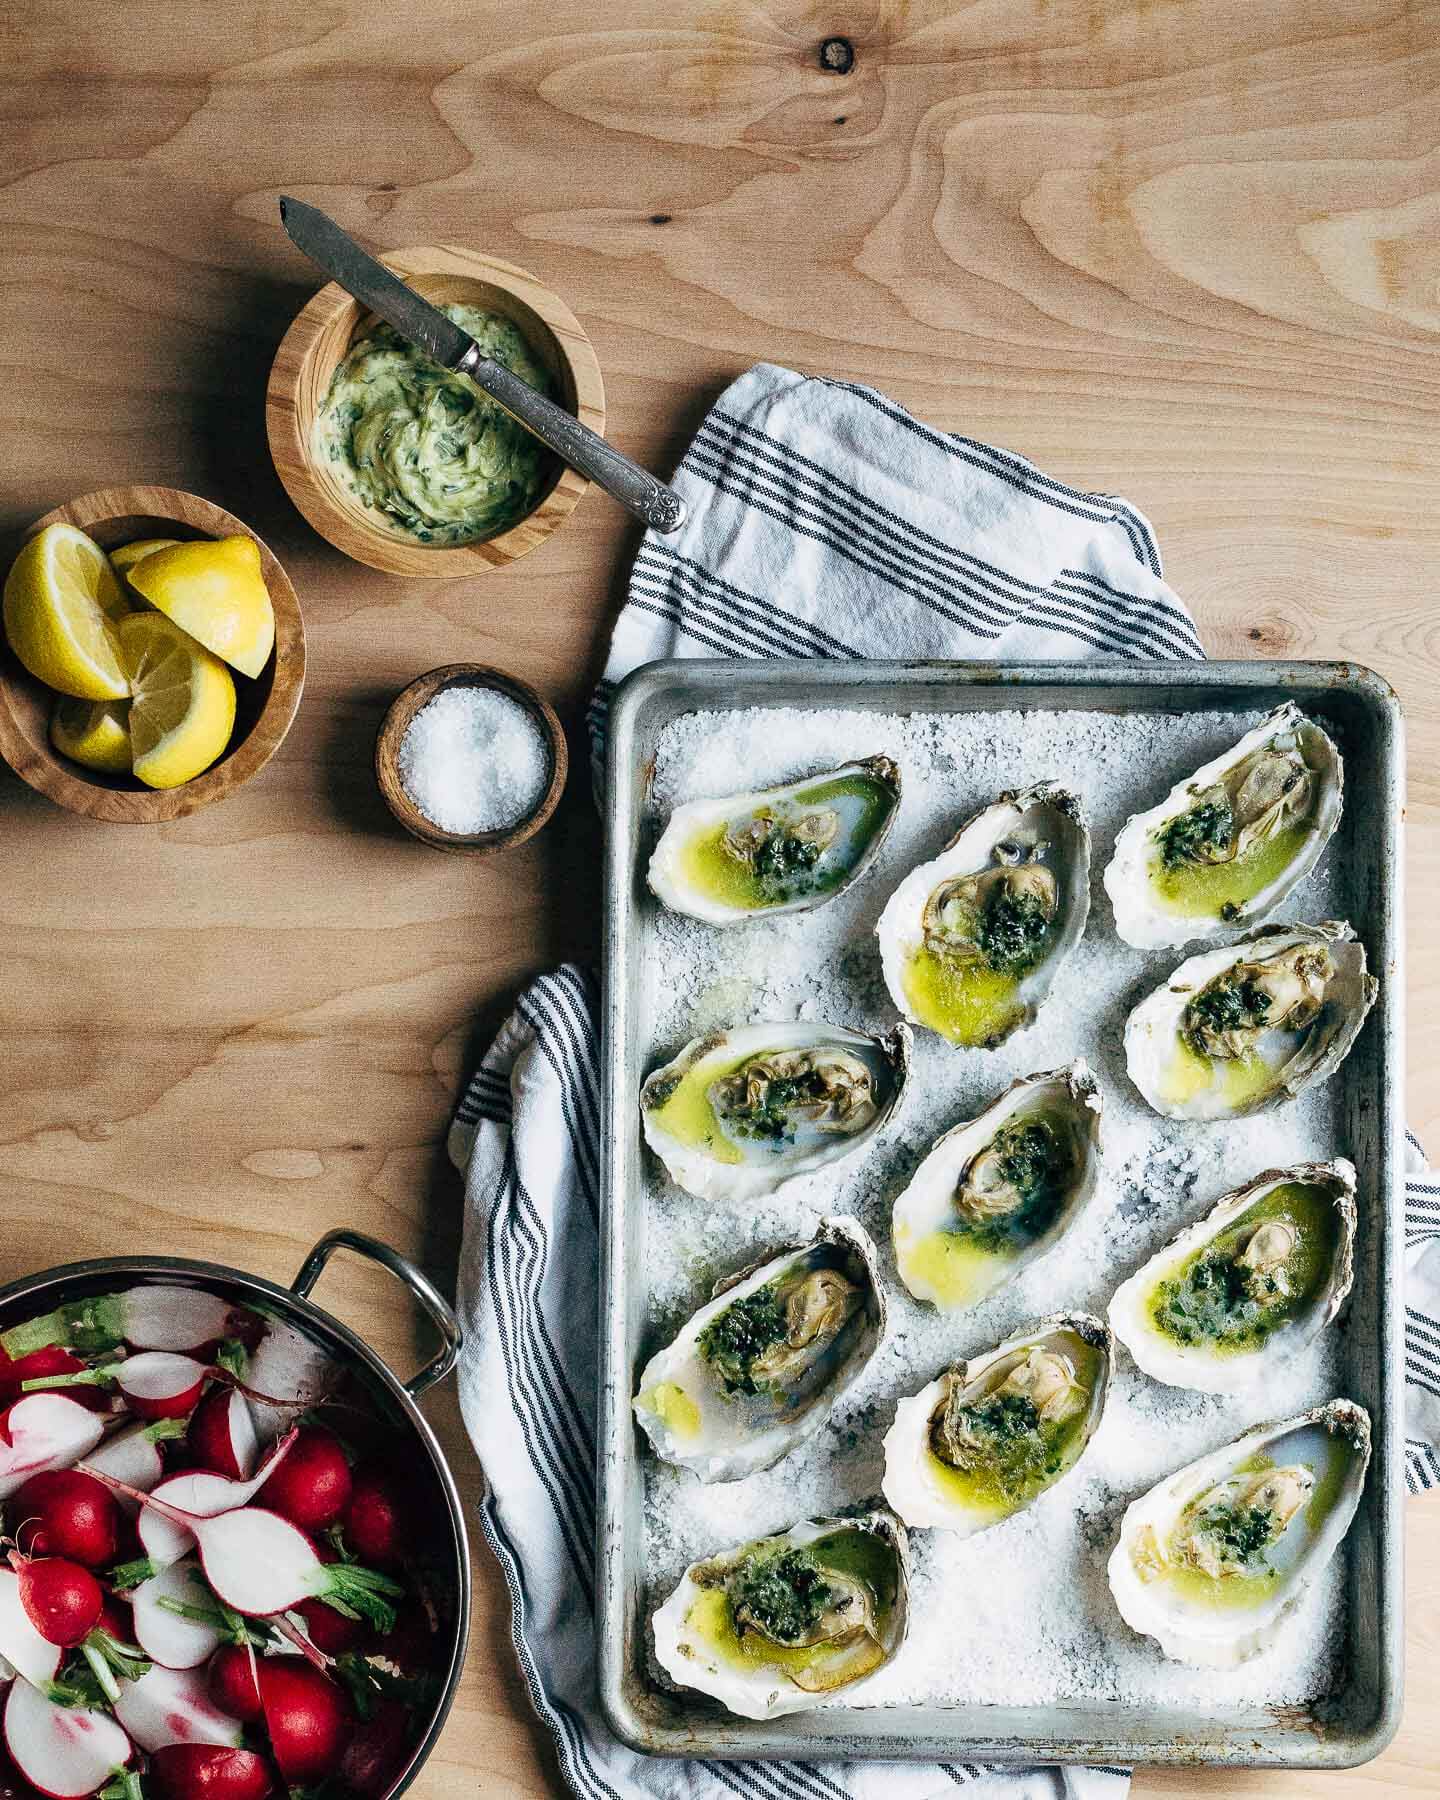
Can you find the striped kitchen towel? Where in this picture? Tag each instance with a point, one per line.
(823, 521)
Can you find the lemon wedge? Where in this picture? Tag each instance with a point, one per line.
(184, 706)
(93, 733)
(62, 601)
(212, 588)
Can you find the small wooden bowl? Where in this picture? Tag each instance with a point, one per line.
(264, 707)
(396, 723)
(324, 331)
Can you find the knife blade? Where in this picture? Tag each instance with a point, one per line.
(442, 340)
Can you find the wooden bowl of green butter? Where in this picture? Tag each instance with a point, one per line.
(405, 466)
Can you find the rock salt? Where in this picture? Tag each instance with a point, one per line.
(472, 759)
(1020, 1614)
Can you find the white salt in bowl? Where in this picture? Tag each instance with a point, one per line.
(482, 770)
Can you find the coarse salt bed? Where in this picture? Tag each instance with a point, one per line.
(472, 759)
(1020, 1614)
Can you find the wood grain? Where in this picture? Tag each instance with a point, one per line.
(265, 706)
(323, 332)
(1183, 250)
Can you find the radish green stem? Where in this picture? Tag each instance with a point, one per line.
(128, 1575)
(101, 1670)
(96, 1324)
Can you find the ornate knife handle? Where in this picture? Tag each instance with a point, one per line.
(635, 488)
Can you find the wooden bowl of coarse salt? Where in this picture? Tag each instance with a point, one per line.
(469, 758)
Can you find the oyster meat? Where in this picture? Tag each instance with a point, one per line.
(971, 941)
(778, 1625)
(1250, 1284)
(780, 849)
(998, 1190)
(738, 1113)
(1224, 848)
(1212, 1560)
(990, 1436)
(759, 1368)
(1242, 1029)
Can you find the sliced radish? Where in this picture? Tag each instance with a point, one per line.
(133, 1456)
(43, 1431)
(64, 1513)
(65, 1751)
(206, 1772)
(21, 1643)
(222, 1435)
(291, 1372)
(259, 1563)
(161, 1317)
(166, 1633)
(198, 1493)
(156, 1384)
(173, 1706)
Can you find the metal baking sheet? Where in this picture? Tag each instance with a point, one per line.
(1357, 1720)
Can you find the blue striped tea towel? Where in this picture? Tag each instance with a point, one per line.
(823, 521)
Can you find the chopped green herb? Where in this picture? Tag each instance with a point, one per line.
(1239, 1532)
(735, 1338)
(784, 1594)
(1011, 931)
(1226, 1004)
(1204, 834)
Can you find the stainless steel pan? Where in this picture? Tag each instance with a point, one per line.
(428, 1479)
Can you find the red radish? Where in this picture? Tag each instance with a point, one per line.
(232, 1681)
(35, 1368)
(375, 1750)
(156, 1384)
(177, 1622)
(312, 1486)
(64, 1513)
(63, 1600)
(43, 1431)
(306, 1716)
(199, 1491)
(161, 1317)
(203, 1772)
(65, 1751)
(222, 1435)
(328, 1630)
(22, 1645)
(374, 1520)
(173, 1706)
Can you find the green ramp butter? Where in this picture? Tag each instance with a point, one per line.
(423, 446)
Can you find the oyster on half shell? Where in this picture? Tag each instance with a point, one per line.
(971, 941)
(738, 1113)
(1224, 848)
(779, 849)
(1214, 1558)
(1250, 1284)
(988, 1437)
(1248, 1027)
(760, 1367)
(999, 1190)
(777, 1625)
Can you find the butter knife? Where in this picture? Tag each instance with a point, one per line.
(445, 343)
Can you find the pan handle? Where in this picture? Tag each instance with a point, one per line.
(424, 1291)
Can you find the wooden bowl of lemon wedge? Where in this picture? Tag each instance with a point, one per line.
(153, 655)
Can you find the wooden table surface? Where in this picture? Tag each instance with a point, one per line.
(1183, 250)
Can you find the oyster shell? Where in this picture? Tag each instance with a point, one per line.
(738, 1113)
(971, 941)
(1224, 848)
(1248, 1027)
(776, 1625)
(779, 849)
(759, 1368)
(1212, 1560)
(998, 1190)
(1254, 1281)
(988, 1437)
